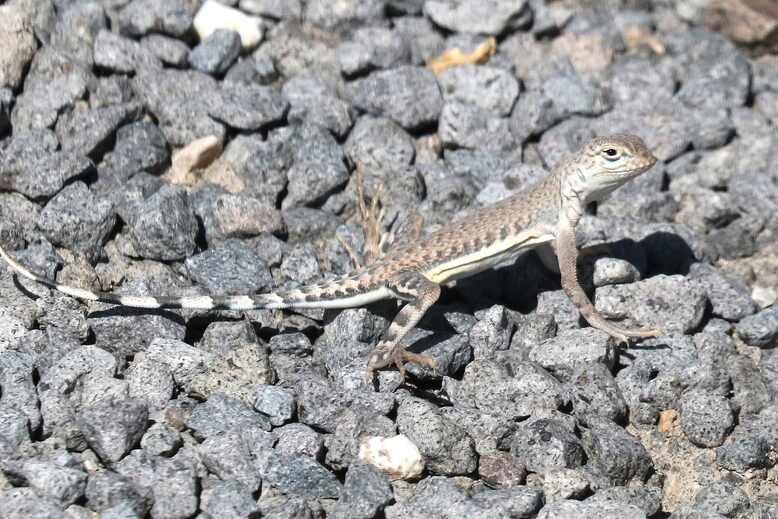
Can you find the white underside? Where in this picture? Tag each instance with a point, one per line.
(500, 252)
(347, 302)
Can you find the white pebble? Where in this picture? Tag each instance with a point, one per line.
(213, 15)
(398, 457)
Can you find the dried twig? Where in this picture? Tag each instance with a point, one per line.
(455, 56)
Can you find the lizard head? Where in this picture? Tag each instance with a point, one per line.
(608, 162)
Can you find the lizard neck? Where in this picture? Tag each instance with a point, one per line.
(572, 193)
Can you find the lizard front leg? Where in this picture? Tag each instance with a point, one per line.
(567, 254)
(420, 293)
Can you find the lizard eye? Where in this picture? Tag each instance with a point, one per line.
(610, 153)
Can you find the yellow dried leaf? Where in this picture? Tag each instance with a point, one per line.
(455, 56)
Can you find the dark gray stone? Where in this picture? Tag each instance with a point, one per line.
(469, 126)
(228, 499)
(161, 440)
(141, 17)
(247, 107)
(23, 502)
(311, 182)
(140, 146)
(742, 453)
(295, 343)
(572, 347)
(229, 268)
(168, 50)
(423, 40)
(300, 475)
(221, 414)
(572, 509)
(365, 493)
(216, 53)
(473, 16)
(237, 455)
(180, 101)
(446, 447)
(296, 438)
(647, 498)
(77, 219)
(257, 69)
(107, 489)
(113, 427)
(596, 392)
(614, 452)
(164, 226)
(491, 333)
(351, 13)
(119, 54)
(62, 484)
(312, 100)
(6, 100)
(723, 497)
(546, 444)
(276, 9)
(371, 48)
(408, 95)
(277, 403)
(378, 143)
(760, 329)
(353, 425)
(88, 132)
(492, 89)
(671, 303)
(706, 418)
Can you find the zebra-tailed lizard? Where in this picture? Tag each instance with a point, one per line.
(545, 214)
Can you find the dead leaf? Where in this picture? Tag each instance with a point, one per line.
(636, 36)
(455, 56)
(666, 420)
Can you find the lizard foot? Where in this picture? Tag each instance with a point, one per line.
(398, 357)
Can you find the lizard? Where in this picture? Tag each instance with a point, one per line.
(541, 216)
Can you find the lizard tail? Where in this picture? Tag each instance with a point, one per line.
(204, 302)
(338, 293)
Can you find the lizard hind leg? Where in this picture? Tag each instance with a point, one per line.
(420, 293)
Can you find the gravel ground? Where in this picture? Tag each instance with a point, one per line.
(176, 147)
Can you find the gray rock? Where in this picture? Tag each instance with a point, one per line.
(596, 392)
(471, 16)
(365, 493)
(237, 455)
(546, 444)
(296, 438)
(161, 440)
(107, 489)
(742, 453)
(571, 509)
(450, 352)
(647, 498)
(423, 40)
(180, 101)
(446, 447)
(229, 268)
(119, 54)
(62, 484)
(247, 107)
(723, 497)
(300, 475)
(635, 77)
(351, 13)
(713, 72)
(614, 452)
(228, 499)
(88, 132)
(492, 89)
(491, 333)
(23, 502)
(648, 303)
(353, 425)
(221, 414)
(311, 182)
(562, 484)
(729, 296)
(168, 50)
(276, 9)
(760, 329)
(295, 343)
(75, 218)
(408, 95)
(238, 216)
(257, 69)
(276, 402)
(379, 143)
(164, 226)
(300, 265)
(312, 100)
(42, 174)
(372, 47)
(499, 469)
(706, 418)
(6, 100)
(128, 331)
(113, 427)
(14, 426)
(469, 126)
(141, 17)
(572, 347)
(216, 53)
(19, 46)
(139, 146)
